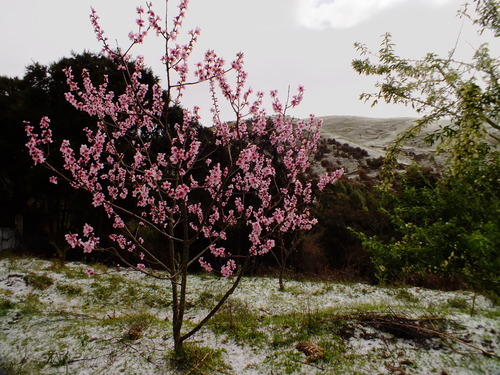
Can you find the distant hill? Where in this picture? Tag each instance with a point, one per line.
(354, 142)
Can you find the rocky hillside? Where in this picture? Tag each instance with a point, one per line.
(358, 144)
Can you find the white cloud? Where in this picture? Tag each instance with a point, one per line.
(341, 14)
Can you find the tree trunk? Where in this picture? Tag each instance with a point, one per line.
(220, 303)
(282, 268)
(281, 283)
(176, 317)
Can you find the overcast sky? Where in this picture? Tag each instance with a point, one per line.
(286, 42)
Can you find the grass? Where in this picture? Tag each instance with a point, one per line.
(406, 296)
(69, 289)
(32, 305)
(37, 281)
(238, 322)
(108, 288)
(5, 306)
(198, 360)
(119, 322)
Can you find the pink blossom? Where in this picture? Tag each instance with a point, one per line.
(36, 154)
(89, 245)
(138, 160)
(206, 266)
(87, 230)
(98, 199)
(90, 272)
(181, 191)
(267, 246)
(228, 269)
(177, 155)
(36, 140)
(53, 179)
(279, 215)
(72, 240)
(120, 240)
(329, 178)
(214, 179)
(240, 207)
(217, 251)
(118, 222)
(141, 266)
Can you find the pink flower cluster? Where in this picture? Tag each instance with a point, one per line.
(37, 140)
(228, 269)
(89, 244)
(90, 272)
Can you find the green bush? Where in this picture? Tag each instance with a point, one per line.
(448, 227)
(344, 206)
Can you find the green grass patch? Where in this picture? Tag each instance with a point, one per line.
(31, 305)
(69, 290)
(6, 306)
(109, 287)
(406, 296)
(71, 272)
(100, 269)
(458, 303)
(289, 362)
(37, 281)
(288, 329)
(207, 299)
(237, 321)
(198, 360)
(156, 296)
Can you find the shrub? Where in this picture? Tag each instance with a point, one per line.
(449, 227)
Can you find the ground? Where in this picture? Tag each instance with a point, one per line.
(57, 320)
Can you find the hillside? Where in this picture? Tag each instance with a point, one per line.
(352, 142)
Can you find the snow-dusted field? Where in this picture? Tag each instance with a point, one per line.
(59, 321)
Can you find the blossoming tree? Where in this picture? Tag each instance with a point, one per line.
(186, 190)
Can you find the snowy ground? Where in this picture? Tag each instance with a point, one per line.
(59, 321)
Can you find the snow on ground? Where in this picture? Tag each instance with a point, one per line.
(118, 322)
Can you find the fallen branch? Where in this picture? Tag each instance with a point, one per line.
(412, 327)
